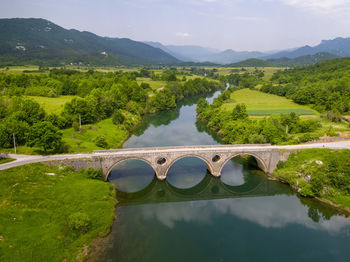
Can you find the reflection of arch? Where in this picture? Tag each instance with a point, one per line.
(197, 188)
(126, 159)
(209, 167)
(258, 159)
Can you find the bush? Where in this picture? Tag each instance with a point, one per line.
(100, 141)
(118, 117)
(308, 137)
(93, 174)
(281, 164)
(79, 222)
(331, 132)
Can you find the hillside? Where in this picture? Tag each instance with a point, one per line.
(40, 41)
(186, 53)
(324, 85)
(338, 46)
(253, 62)
(231, 56)
(285, 61)
(303, 60)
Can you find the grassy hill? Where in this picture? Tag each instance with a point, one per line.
(303, 60)
(39, 41)
(285, 61)
(253, 62)
(262, 104)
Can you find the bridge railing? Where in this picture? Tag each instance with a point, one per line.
(179, 147)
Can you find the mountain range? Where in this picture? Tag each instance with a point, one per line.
(39, 41)
(285, 61)
(33, 40)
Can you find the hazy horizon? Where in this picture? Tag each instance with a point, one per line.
(249, 25)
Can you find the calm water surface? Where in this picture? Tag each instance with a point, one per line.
(193, 216)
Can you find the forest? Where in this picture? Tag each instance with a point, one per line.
(325, 86)
(97, 96)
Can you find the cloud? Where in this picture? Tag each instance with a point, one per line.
(320, 6)
(183, 34)
(267, 212)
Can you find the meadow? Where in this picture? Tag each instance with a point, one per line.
(262, 104)
(37, 204)
(153, 84)
(52, 104)
(268, 71)
(84, 141)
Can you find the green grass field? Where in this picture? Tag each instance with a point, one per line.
(6, 160)
(84, 141)
(262, 104)
(52, 104)
(18, 69)
(268, 71)
(153, 84)
(36, 202)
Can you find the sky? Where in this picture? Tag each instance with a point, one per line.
(242, 25)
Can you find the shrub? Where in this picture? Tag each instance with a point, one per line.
(79, 222)
(92, 173)
(307, 137)
(118, 117)
(331, 132)
(281, 164)
(100, 141)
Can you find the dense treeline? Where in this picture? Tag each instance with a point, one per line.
(245, 80)
(236, 128)
(319, 173)
(325, 85)
(98, 96)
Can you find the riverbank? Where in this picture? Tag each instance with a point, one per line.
(52, 214)
(323, 174)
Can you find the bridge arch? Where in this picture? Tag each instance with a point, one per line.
(116, 163)
(261, 163)
(173, 161)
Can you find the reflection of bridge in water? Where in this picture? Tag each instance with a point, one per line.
(209, 188)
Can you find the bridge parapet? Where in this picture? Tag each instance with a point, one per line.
(215, 157)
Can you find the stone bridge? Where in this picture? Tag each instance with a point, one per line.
(215, 157)
(162, 158)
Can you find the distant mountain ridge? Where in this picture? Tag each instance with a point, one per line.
(186, 53)
(39, 41)
(338, 46)
(303, 60)
(284, 61)
(327, 49)
(231, 56)
(33, 40)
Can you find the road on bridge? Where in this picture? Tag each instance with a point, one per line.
(28, 159)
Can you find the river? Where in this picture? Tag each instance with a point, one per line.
(193, 216)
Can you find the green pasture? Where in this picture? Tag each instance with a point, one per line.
(84, 141)
(262, 104)
(36, 203)
(6, 160)
(268, 71)
(18, 69)
(52, 104)
(153, 84)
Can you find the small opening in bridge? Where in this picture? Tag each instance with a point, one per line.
(161, 161)
(216, 158)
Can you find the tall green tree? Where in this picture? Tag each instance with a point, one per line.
(46, 135)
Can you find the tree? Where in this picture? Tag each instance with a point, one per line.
(44, 134)
(118, 117)
(240, 112)
(202, 104)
